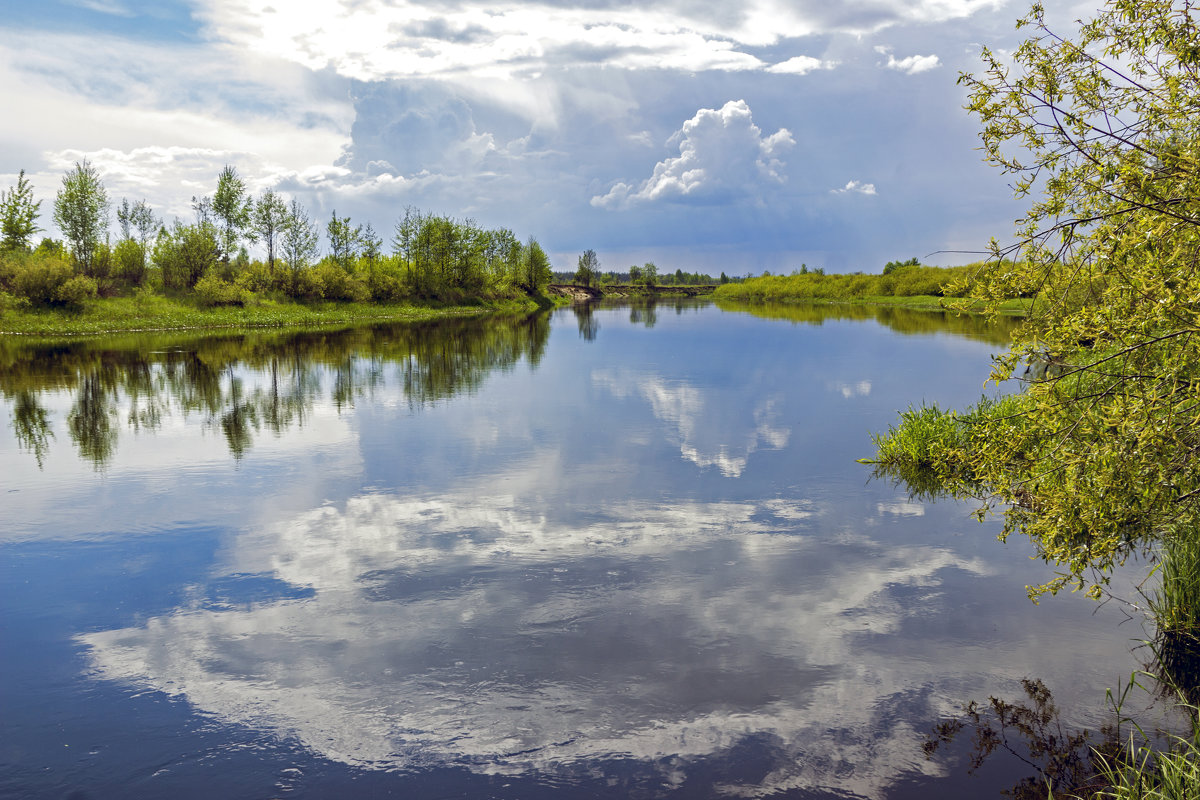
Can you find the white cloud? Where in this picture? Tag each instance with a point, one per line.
(801, 65)
(723, 157)
(910, 65)
(857, 187)
(155, 118)
(469, 39)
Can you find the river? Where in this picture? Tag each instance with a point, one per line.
(608, 552)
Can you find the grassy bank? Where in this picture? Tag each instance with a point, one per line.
(908, 285)
(921, 302)
(148, 311)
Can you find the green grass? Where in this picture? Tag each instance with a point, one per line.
(152, 312)
(1151, 774)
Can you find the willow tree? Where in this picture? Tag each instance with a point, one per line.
(1099, 457)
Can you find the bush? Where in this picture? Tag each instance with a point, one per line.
(258, 277)
(185, 254)
(306, 284)
(129, 263)
(211, 290)
(385, 282)
(46, 279)
(337, 284)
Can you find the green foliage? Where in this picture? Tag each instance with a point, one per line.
(211, 290)
(908, 281)
(589, 266)
(1104, 127)
(137, 221)
(269, 221)
(45, 278)
(534, 267)
(344, 241)
(301, 241)
(185, 253)
(892, 266)
(18, 215)
(129, 263)
(336, 284)
(436, 257)
(81, 213)
(1155, 774)
(232, 207)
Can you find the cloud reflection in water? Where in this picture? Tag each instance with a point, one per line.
(467, 631)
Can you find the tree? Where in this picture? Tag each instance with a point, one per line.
(372, 245)
(185, 252)
(81, 213)
(535, 267)
(300, 244)
(1097, 458)
(18, 215)
(138, 224)
(589, 266)
(269, 220)
(232, 206)
(892, 266)
(650, 274)
(343, 241)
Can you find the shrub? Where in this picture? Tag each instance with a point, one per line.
(385, 281)
(337, 284)
(129, 263)
(212, 290)
(46, 279)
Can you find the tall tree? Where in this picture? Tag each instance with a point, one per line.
(372, 245)
(18, 215)
(269, 220)
(535, 267)
(588, 266)
(81, 213)
(137, 221)
(344, 241)
(300, 243)
(232, 205)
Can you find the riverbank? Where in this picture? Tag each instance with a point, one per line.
(576, 293)
(153, 312)
(1018, 307)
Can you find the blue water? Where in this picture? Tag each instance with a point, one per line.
(623, 553)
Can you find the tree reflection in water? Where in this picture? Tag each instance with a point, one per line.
(245, 383)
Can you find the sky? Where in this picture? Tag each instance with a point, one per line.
(703, 135)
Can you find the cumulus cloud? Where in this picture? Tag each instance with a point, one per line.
(856, 187)
(800, 65)
(723, 157)
(909, 65)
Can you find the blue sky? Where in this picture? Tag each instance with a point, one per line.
(701, 134)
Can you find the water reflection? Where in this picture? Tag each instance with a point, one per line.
(147, 379)
(648, 567)
(427, 638)
(702, 427)
(901, 320)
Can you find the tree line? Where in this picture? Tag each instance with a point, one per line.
(431, 257)
(588, 274)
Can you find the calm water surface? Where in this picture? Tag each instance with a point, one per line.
(624, 552)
